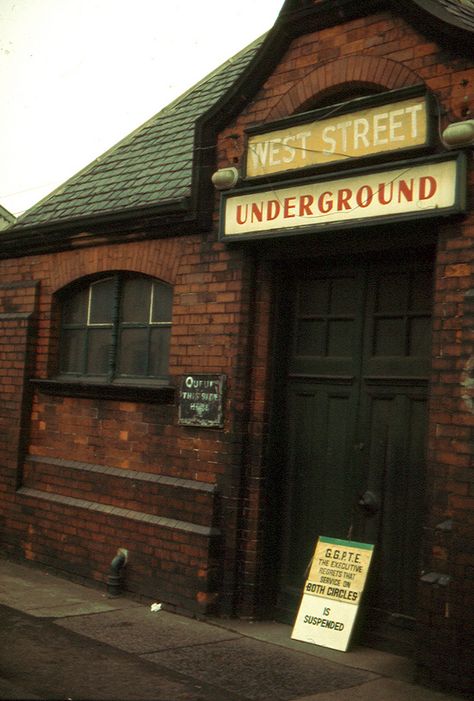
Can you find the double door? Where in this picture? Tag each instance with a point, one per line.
(354, 424)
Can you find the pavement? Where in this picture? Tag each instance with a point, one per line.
(62, 640)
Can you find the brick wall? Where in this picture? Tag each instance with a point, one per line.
(88, 475)
(17, 333)
(85, 476)
(384, 52)
(446, 602)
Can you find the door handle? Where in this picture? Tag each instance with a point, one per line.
(369, 502)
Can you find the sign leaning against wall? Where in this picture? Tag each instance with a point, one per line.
(333, 592)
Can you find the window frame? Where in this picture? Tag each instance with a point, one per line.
(111, 377)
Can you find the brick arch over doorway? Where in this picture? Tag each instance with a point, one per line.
(365, 71)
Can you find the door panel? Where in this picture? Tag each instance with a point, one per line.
(320, 435)
(326, 325)
(394, 472)
(322, 390)
(355, 423)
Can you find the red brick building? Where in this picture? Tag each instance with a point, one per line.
(212, 376)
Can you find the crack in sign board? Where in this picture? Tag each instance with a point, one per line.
(332, 593)
(201, 400)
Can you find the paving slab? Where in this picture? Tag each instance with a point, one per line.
(382, 663)
(120, 649)
(139, 630)
(39, 659)
(12, 692)
(43, 595)
(383, 690)
(259, 671)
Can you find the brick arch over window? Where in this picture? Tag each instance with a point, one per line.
(366, 71)
(157, 259)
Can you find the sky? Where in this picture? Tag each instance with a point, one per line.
(77, 76)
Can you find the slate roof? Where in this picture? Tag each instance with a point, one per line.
(462, 10)
(151, 166)
(6, 218)
(460, 13)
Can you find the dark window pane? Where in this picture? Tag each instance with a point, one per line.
(72, 351)
(159, 351)
(313, 297)
(133, 352)
(392, 293)
(99, 343)
(136, 295)
(75, 308)
(126, 345)
(162, 301)
(102, 302)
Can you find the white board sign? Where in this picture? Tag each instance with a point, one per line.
(332, 593)
(374, 129)
(409, 190)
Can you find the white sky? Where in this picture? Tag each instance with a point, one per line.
(76, 76)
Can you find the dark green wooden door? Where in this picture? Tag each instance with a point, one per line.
(355, 424)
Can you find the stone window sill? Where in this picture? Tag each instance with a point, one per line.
(158, 394)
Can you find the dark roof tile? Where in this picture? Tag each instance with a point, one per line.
(462, 10)
(153, 165)
(458, 13)
(148, 167)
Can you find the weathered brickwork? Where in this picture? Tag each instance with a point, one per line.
(448, 606)
(82, 476)
(17, 323)
(384, 52)
(72, 449)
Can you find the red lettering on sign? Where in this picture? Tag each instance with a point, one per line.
(428, 187)
(325, 202)
(240, 218)
(343, 197)
(306, 202)
(257, 212)
(364, 196)
(288, 207)
(405, 190)
(273, 209)
(381, 191)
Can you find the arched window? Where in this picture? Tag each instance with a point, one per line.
(116, 328)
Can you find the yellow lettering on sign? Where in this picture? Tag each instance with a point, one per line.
(384, 128)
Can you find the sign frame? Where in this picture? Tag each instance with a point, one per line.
(458, 206)
(341, 109)
(333, 592)
(196, 406)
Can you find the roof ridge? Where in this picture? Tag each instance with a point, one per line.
(219, 68)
